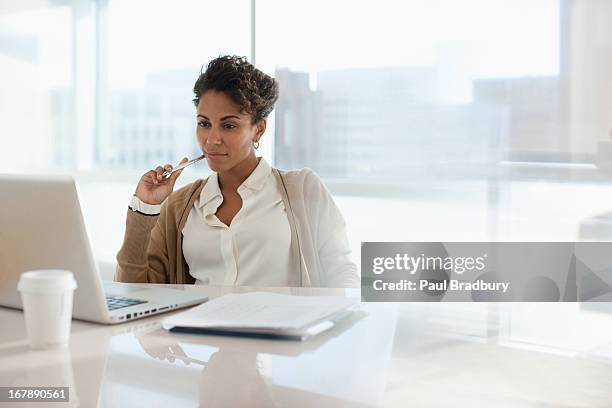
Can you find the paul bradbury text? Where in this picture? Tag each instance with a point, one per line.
(444, 285)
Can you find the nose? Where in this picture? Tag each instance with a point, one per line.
(213, 138)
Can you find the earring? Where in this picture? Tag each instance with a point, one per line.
(256, 145)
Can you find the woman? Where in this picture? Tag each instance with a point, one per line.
(246, 224)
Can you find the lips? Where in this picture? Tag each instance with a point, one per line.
(213, 156)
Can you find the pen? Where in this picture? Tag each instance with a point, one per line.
(167, 173)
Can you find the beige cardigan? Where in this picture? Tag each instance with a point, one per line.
(152, 247)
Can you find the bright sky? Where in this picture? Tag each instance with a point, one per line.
(488, 38)
(474, 38)
(148, 36)
(477, 38)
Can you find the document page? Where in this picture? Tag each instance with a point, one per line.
(261, 310)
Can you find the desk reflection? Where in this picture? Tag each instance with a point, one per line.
(238, 375)
(79, 368)
(238, 372)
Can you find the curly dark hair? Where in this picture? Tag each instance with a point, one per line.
(254, 91)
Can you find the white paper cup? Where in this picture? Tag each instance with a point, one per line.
(47, 304)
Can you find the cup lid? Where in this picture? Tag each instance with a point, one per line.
(47, 280)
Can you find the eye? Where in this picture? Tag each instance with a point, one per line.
(229, 126)
(203, 124)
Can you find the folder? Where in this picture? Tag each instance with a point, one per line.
(263, 315)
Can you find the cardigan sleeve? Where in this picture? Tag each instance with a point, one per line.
(143, 257)
(329, 231)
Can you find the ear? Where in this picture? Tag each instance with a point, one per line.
(260, 129)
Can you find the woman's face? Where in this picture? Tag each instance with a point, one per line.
(225, 133)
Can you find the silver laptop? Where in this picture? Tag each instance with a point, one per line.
(42, 227)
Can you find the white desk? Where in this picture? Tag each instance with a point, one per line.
(412, 354)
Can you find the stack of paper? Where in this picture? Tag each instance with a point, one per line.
(262, 314)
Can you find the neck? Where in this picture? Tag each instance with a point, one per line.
(234, 177)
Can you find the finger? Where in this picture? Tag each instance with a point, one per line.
(174, 176)
(177, 173)
(167, 169)
(149, 177)
(158, 173)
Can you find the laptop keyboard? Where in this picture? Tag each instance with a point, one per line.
(118, 302)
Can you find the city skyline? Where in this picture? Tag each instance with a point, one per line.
(329, 129)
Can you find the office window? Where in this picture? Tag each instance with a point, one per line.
(150, 55)
(392, 91)
(468, 120)
(445, 120)
(37, 86)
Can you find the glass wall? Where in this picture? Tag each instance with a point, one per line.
(428, 120)
(415, 90)
(150, 56)
(37, 87)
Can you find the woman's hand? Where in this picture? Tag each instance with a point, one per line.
(153, 188)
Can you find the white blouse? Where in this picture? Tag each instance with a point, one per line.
(254, 249)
